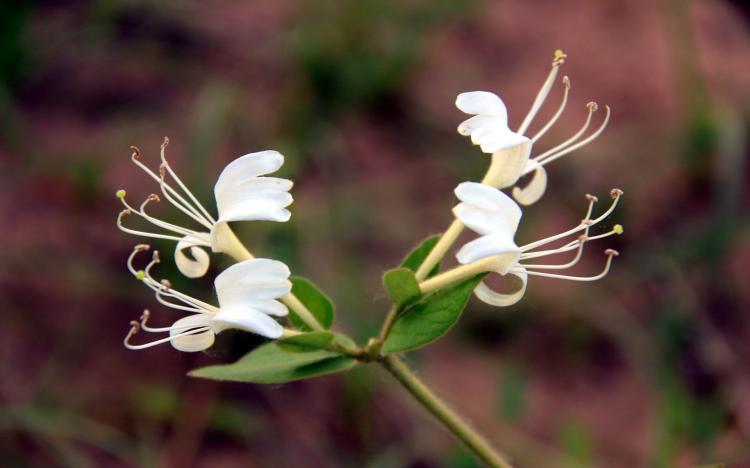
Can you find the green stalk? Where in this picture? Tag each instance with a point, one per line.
(473, 440)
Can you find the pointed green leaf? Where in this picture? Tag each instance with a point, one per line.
(417, 256)
(271, 364)
(431, 317)
(306, 342)
(401, 286)
(315, 300)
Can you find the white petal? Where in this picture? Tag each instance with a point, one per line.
(468, 126)
(248, 166)
(535, 188)
(487, 295)
(501, 140)
(194, 342)
(254, 189)
(269, 307)
(483, 196)
(482, 102)
(250, 280)
(488, 246)
(265, 206)
(247, 319)
(486, 209)
(508, 165)
(191, 267)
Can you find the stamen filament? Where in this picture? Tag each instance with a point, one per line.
(571, 263)
(167, 190)
(182, 185)
(153, 235)
(543, 92)
(610, 254)
(592, 108)
(540, 133)
(578, 145)
(586, 224)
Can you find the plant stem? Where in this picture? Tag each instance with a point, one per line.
(473, 440)
(233, 247)
(436, 254)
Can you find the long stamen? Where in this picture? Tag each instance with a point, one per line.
(609, 253)
(581, 241)
(155, 221)
(143, 323)
(182, 185)
(162, 223)
(592, 107)
(540, 133)
(136, 250)
(134, 330)
(586, 224)
(543, 92)
(580, 144)
(186, 208)
(153, 235)
(169, 193)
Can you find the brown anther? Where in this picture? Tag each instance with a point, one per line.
(155, 256)
(615, 192)
(126, 212)
(593, 107)
(134, 327)
(166, 283)
(591, 198)
(141, 247)
(145, 315)
(611, 253)
(566, 81)
(153, 197)
(136, 152)
(165, 143)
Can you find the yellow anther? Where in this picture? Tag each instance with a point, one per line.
(120, 193)
(559, 54)
(140, 274)
(618, 229)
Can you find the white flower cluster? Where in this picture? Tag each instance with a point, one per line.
(492, 214)
(249, 291)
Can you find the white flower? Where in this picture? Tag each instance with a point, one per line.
(241, 193)
(494, 216)
(247, 293)
(511, 151)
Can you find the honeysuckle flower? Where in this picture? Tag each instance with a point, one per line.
(495, 216)
(511, 151)
(241, 192)
(247, 293)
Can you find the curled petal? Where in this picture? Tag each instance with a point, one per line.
(192, 342)
(191, 267)
(487, 295)
(248, 319)
(482, 102)
(535, 189)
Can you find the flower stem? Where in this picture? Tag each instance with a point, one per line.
(437, 252)
(473, 440)
(233, 247)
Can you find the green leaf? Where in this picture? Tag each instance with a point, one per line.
(401, 286)
(272, 364)
(315, 300)
(306, 342)
(431, 317)
(417, 256)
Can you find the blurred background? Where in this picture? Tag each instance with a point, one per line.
(648, 367)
